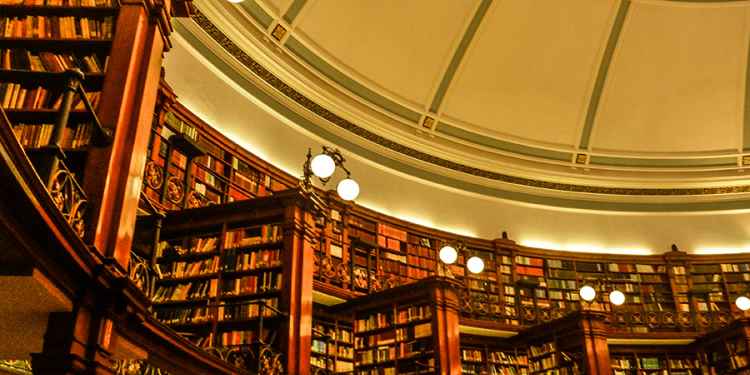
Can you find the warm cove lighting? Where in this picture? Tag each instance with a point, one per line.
(235, 1)
(587, 293)
(475, 264)
(722, 250)
(584, 248)
(743, 303)
(448, 254)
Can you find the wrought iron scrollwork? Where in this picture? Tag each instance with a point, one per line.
(136, 367)
(139, 272)
(69, 198)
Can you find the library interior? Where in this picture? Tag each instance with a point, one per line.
(375, 187)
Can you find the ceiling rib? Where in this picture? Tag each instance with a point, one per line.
(458, 55)
(601, 76)
(746, 113)
(294, 10)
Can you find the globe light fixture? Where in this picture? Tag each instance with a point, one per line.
(235, 1)
(323, 166)
(616, 297)
(448, 254)
(743, 303)
(348, 189)
(587, 293)
(475, 264)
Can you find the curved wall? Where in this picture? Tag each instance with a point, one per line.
(256, 121)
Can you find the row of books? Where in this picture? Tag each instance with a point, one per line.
(186, 291)
(182, 269)
(248, 310)
(69, 3)
(65, 27)
(44, 61)
(184, 315)
(242, 337)
(263, 282)
(239, 261)
(374, 321)
(253, 236)
(18, 96)
(38, 135)
(198, 245)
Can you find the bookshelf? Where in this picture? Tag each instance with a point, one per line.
(191, 165)
(224, 273)
(332, 343)
(480, 355)
(396, 331)
(40, 43)
(667, 361)
(725, 351)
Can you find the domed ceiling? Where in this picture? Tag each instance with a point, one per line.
(609, 105)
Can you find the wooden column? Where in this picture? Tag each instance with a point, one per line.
(114, 174)
(446, 323)
(596, 351)
(76, 342)
(296, 330)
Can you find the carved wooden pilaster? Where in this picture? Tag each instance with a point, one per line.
(596, 350)
(298, 280)
(127, 106)
(446, 321)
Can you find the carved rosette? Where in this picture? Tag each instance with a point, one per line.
(195, 199)
(175, 190)
(153, 175)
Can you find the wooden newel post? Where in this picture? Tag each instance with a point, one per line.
(595, 348)
(445, 325)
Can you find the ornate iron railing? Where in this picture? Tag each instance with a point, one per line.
(137, 367)
(50, 160)
(20, 367)
(261, 356)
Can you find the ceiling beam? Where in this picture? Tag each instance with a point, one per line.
(601, 76)
(459, 53)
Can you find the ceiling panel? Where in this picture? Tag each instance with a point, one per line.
(401, 47)
(278, 7)
(530, 70)
(676, 83)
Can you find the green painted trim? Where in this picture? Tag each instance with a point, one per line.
(746, 124)
(501, 145)
(257, 12)
(294, 45)
(667, 163)
(601, 76)
(298, 119)
(459, 54)
(293, 11)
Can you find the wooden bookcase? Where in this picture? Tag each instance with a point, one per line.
(481, 355)
(405, 330)
(202, 167)
(332, 342)
(32, 66)
(725, 351)
(226, 275)
(646, 361)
